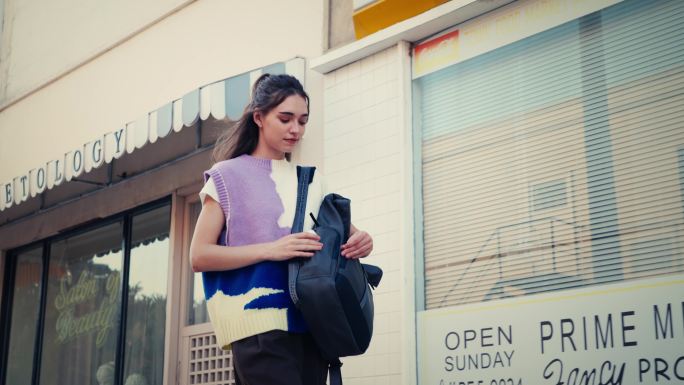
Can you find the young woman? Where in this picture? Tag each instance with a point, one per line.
(248, 205)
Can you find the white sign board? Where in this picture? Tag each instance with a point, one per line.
(626, 333)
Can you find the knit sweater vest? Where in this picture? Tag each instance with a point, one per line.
(258, 199)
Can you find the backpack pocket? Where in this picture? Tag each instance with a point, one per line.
(357, 301)
(324, 262)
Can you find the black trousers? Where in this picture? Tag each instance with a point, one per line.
(278, 357)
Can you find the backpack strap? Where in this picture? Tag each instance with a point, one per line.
(335, 372)
(304, 179)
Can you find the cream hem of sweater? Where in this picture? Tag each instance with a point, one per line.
(232, 322)
(253, 322)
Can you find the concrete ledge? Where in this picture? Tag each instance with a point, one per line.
(414, 29)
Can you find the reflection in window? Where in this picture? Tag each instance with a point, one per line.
(596, 116)
(146, 316)
(25, 306)
(680, 167)
(197, 312)
(548, 195)
(82, 310)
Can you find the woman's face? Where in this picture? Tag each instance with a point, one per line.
(281, 128)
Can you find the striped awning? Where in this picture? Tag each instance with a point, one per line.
(224, 98)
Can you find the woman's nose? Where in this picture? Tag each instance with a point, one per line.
(296, 128)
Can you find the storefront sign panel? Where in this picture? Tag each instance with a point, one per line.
(73, 164)
(498, 28)
(626, 333)
(134, 135)
(436, 53)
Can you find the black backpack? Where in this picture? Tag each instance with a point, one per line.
(332, 292)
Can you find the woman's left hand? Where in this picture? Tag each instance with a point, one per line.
(359, 245)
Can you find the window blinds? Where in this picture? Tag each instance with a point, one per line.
(556, 161)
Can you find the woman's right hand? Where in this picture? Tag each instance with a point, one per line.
(293, 245)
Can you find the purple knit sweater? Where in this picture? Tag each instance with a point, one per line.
(258, 199)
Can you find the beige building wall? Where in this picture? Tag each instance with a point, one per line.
(340, 29)
(367, 158)
(206, 41)
(33, 47)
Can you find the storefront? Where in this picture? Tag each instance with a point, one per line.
(520, 165)
(551, 175)
(534, 151)
(108, 297)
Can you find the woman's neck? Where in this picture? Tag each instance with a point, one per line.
(265, 157)
(257, 154)
(266, 152)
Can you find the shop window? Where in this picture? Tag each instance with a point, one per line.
(2, 22)
(197, 304)
(146, 315)
(548, 195)
(24, 321)
(82, 307)
(680, 164)
(77, 322)
(597, 100)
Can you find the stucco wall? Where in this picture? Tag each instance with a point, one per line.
(205, 41)
(47, 38)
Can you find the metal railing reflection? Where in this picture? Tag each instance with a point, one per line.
(526, 255)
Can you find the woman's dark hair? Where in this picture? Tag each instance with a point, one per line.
(267, 93)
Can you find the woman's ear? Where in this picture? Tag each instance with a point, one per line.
(256, 115)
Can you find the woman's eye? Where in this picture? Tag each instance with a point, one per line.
(284, 120)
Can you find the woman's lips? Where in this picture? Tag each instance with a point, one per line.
(292, 141)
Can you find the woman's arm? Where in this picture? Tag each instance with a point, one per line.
(359, 244)
(206, 255)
